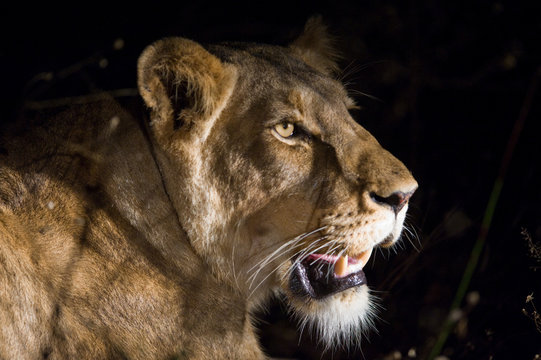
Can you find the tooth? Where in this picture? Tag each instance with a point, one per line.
(341, 266)
(364, 257)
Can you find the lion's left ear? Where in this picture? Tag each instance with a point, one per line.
(183, 84)
(314, 46)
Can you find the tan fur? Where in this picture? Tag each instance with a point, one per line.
(122, 239)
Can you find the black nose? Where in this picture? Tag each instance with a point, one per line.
(396, 200)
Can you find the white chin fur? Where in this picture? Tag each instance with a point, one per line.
(339, 320)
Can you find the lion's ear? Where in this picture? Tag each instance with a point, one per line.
(182, 84)
(315, 47)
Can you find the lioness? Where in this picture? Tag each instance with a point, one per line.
(134, 239)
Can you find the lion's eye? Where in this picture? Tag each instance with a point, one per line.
(285, 129)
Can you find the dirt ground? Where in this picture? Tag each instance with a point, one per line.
(451, 88)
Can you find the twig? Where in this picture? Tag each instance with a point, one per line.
(487, 218)
(534, 315)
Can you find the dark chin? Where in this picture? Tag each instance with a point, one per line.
(317, 281)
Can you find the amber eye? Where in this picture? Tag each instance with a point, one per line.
(285, 129)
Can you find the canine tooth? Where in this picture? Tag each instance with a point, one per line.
(363, 258)
(341, 266)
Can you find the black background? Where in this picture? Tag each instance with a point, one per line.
(447, 84)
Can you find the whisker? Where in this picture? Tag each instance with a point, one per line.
(274, 270)
(328, 252)
(336, 245)
(409, 234)
(303, 254)
(411, 227)
(287, 243)
(380, 250)
(352, 68)
(236, 237)
(272, 256)
(309, 250)
(339, 255)
(293, 242)
(269, 259)
(358, 92)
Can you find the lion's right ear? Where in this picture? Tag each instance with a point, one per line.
(183, 84)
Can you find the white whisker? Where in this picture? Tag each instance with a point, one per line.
(270, 258)
(271, 272)
(287, 243)
(340, 254)
(336, 245)
(304, 254)
(300, 256)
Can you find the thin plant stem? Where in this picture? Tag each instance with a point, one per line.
(487, 219)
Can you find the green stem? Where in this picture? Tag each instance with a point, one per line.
(470, 268)
(487, 219)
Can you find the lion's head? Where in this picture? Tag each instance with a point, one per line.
(275, 184)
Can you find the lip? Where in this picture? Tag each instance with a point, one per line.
(321, 275)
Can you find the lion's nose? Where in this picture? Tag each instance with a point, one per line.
(396, 200)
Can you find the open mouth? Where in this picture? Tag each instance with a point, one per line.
(321, 275)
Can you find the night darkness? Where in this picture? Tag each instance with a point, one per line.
(446, 86)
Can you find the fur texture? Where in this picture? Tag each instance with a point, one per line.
(121, 238)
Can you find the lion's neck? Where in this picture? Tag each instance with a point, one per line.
(130, 168)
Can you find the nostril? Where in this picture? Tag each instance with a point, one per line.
(396, 200)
